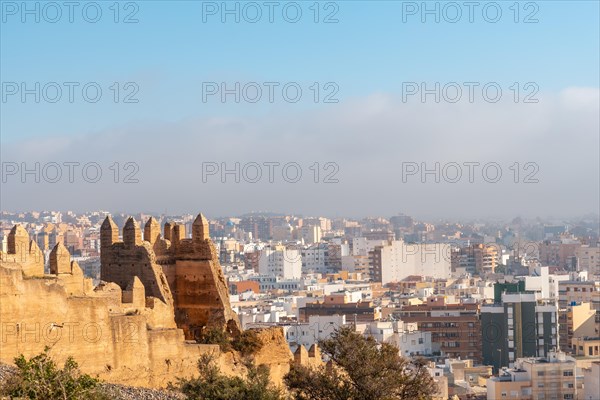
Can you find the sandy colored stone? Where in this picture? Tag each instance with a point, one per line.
(133, 327)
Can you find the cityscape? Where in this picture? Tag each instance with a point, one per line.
(299, 200)
(498, 310)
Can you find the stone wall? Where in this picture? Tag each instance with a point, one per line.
(180, 271)
(121, 336)
(275, 352)
(131, 328)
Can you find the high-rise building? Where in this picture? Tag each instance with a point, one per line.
(281, 262)
(576, 321)
(475, 259)
(310, 234)
(522, 325)
(588, 259)
(396, 260)
(570, 292)
(315, 258)
(259, 226)
(560, 253)
(336, 249)
(321, 222)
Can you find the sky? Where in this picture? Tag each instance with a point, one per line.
(360, 97)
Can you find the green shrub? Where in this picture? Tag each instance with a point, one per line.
(247, 342)
(212, 385)
(361, 369)
(40, 378)
(215, 335)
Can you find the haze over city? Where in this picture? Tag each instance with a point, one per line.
(398, 90)
(292, 200)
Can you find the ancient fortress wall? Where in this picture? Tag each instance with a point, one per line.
(184, 273)
(132, 328)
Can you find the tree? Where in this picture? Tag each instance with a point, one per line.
(212, 385)
(40, 378)
(361, 369)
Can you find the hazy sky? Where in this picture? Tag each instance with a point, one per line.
(369, 128)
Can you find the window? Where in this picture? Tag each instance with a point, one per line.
(540, 373)
(568, 396)
(568, 373)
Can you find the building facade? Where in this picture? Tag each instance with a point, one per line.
(396, 260)
(280, 261)
(455, 328)
(520, 326)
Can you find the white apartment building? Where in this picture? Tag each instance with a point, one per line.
(362, 246)
(309, 333)
(271, 282)
(414, 343)
(281, 262)
(544, 283)
(315, 258)
(397, 260)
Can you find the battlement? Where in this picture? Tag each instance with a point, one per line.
(24, 251)
(132, 327)
(311, 358)
(183, 272)
(120, 334)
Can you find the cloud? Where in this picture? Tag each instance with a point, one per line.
(369, 139)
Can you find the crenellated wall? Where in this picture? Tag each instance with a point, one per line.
(24, 251)
(120, 261)
(120, 335)
(131, 328)
(183, 272)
